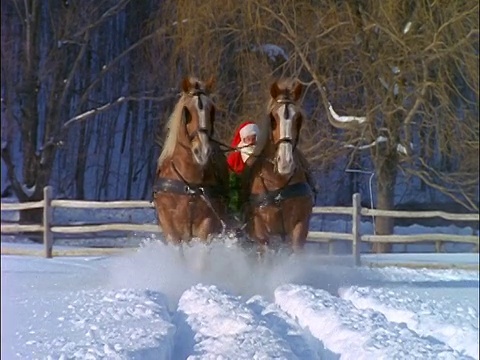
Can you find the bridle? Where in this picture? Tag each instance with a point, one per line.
(201, 129)
(286, 140)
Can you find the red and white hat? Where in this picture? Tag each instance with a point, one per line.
(245, 129)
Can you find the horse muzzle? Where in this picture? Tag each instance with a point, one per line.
(284, 163)
(201, 149)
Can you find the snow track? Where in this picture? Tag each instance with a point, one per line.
(427, 317)
(364, 333)
(71, 315)
(220, 322)
(98, 324)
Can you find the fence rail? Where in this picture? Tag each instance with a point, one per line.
(355, 236)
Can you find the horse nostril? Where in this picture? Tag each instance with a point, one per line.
(196, 151)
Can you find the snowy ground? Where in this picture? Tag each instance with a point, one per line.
(149, 304)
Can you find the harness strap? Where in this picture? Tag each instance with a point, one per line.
(274, 197)
(209, 204)
(182, 188)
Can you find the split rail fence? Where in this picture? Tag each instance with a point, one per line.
(355, 236)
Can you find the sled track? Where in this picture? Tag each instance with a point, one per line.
(300, 322)
(149, 305)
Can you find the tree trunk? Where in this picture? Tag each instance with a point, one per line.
(386, 175)
(80, 169)
(32, 217)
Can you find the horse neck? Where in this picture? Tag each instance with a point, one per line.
(183, 156)
(182, 161)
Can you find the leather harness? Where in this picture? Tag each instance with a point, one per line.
(275, 197)
(183, 187)
(180, 187)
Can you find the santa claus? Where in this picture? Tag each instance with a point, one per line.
(244, 141)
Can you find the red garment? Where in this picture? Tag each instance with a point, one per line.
(234, 159)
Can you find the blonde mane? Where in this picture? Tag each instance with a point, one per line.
(264, 128)
(173, 127)
(175, 119)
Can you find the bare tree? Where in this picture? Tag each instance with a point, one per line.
(413, 69)
(58, 62)
(396, 80)
(394, 85)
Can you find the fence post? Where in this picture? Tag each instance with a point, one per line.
(330, 247)
(438, 246)
(47, 222)
(356, 222)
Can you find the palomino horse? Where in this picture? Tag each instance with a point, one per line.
(279, 199)
(192, 174)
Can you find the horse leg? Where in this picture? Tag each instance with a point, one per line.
(204, 230)
(171, 231)
(260, 235)
(172, 235)
(299, 237)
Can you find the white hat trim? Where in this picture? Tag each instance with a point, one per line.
(249, 129)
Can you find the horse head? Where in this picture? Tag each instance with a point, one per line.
(198, 116)
(286, 119)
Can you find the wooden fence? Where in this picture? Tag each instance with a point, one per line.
(355, 236)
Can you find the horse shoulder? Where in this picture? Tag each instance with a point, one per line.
(161, 167)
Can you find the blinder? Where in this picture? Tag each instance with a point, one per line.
(286, 114)
(191, 136)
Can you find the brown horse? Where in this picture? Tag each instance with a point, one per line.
(280, 200)
(192, 174)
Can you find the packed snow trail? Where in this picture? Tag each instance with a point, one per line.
(454, 324)
(354, 333)
(224, 326)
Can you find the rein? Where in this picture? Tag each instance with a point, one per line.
(228, 148)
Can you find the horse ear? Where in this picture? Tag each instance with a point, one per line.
(185, 85)
(274, 90)
(210, 84)
(297, 91)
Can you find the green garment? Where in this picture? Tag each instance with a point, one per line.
(235, 185)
